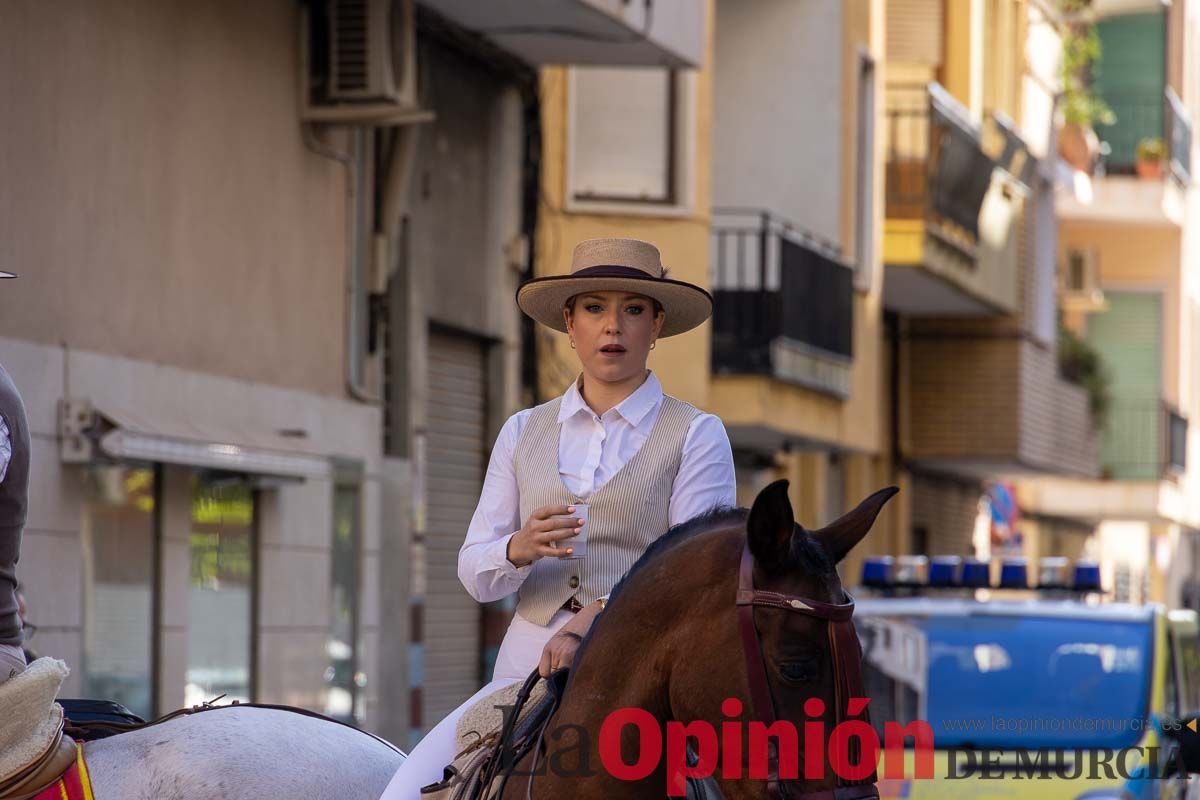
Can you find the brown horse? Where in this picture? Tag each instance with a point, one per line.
(670, 643)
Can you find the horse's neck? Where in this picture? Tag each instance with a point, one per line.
(623, 666)
(625, 663)
(617, 669)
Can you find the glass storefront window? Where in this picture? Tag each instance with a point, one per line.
(118, 584)
(342, 678)
(220, 596)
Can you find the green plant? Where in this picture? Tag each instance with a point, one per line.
(1081, 54)
(1151, 149)
(1081, 364)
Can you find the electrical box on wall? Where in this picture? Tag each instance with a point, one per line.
(359, 63)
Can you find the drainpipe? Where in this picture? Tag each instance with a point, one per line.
(356, 268)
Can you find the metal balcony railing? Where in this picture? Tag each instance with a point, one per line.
(1179, 138)
(936, 168)
(783, 301)
(1143, 440)
(1177, 435)
(1145, 115)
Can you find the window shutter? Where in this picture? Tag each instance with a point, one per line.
(914, 31)
(622, 133)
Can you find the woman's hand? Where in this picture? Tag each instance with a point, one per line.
(560, 651)
(545, 526)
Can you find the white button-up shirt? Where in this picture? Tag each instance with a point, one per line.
(591, 449)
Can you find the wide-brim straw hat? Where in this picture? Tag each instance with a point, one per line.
(616, 265)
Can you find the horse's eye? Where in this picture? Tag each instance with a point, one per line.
(797, 671)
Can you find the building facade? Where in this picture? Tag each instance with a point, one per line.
(797, 337)
(1128, 265)
(970, 245)
(265, 333)
(206, 497)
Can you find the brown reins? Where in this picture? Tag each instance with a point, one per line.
(845, 657)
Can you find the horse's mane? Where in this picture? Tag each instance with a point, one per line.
(708, 520)
(806, 552)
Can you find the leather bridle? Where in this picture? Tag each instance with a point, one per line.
(845, 658)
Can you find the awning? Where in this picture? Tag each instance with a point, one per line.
(92, 433)
(668, 33)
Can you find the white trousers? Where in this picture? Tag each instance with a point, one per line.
(519, 655)
(12, 661)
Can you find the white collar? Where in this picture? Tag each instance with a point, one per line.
(633, 408)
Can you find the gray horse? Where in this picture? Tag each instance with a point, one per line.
(241, 754)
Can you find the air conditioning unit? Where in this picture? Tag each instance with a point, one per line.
(360, 62)
(1079, 281)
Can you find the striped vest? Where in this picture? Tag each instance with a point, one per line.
(625, 515)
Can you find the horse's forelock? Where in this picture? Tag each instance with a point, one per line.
(808, 555)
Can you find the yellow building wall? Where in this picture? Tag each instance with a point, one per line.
(856, 423)
(962, 70)
(984, 54)
(681, 362)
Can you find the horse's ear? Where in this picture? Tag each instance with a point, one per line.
(840, 536)
(770, 524)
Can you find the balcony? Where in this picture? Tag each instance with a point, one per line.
(1145, 115)
(1144, 448)
(783, 303)
(950, 213)
(1144, 440)
(669, 33)
(981, 403)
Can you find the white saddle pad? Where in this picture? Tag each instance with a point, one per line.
(31, 717)
(484, 717)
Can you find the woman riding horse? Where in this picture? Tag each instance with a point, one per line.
(641, 460)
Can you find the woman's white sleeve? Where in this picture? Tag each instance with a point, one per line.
(483, 565)
(706, 476)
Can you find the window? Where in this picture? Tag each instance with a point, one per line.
(220, 595)
(342, 676)
(118, 584)
(626, 136)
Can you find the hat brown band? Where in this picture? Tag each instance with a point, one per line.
(611, 271)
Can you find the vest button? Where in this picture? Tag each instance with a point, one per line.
(574, 582)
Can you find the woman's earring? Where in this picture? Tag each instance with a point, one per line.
(572, 344)
(653, 343)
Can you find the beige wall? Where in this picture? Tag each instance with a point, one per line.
(779, 117)
(158, 199)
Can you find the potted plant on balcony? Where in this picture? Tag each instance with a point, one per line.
(1151, 155)
(1081, 364)
(1078, 144)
